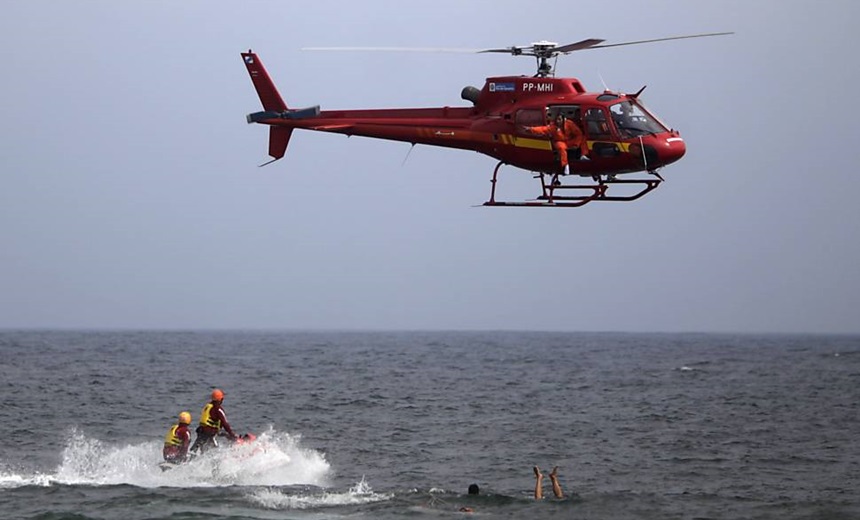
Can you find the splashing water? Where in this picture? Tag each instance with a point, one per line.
(10, 479)
(274, 459)
(360, 493)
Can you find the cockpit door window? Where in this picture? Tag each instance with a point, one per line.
(596, 125)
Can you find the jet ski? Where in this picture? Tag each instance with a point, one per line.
(240, 440)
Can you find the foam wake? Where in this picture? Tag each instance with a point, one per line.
(280, 499)
(274, 459)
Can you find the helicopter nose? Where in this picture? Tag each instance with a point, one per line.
(673, 149)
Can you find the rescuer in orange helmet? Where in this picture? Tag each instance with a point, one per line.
(177, 440)
(564, 134)
(212, 419)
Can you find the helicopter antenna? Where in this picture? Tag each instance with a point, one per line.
(407, 155)
(602, 81)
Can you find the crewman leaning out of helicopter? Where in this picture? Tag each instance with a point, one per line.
(177, 440)
(212, 419)
(564, 134)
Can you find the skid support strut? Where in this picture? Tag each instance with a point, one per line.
(555, 193)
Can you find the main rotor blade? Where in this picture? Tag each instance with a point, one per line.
(657, 40)
(392, 49)
(506, 50)
(541, 49)
(578, 46)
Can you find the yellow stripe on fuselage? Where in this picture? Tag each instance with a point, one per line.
(544, 144)
(527, 142)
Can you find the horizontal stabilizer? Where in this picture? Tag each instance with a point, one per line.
(299, 113)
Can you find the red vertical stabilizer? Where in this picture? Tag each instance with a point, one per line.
(269, 95)
(279, 138)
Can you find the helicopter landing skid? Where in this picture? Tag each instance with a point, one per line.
(557, 194)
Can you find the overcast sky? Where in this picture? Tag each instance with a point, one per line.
(131, 196)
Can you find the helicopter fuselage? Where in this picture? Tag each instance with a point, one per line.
(497, 125)
(620, 134)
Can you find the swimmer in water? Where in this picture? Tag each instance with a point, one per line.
(553, 477)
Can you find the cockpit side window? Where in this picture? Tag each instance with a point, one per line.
(632, 121)
(596, 126)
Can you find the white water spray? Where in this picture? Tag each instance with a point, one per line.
(274, 459)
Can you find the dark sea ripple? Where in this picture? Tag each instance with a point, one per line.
(397, 425)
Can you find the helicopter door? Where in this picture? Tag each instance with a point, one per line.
(596, 125)
(599, 132)
(572, 113)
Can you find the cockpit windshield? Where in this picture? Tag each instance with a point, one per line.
(632, 121)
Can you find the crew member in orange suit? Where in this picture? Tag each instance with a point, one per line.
(564, 134)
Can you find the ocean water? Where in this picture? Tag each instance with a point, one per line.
(397, 425)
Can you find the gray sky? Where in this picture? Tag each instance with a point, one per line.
(131, 195)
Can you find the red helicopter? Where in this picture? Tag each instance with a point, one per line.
(621, 135)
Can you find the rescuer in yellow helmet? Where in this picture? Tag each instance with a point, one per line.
(177, 440)
(212, 419)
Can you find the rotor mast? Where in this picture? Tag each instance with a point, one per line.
(543, 51)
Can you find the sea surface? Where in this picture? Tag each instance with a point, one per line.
(393, 425)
